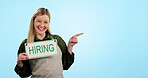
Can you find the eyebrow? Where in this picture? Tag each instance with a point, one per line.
(40, 19)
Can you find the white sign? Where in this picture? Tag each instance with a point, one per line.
(41, 49)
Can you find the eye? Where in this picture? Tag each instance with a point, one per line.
(38, 21)
(45, 22)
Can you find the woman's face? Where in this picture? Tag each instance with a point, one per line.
(41, 23)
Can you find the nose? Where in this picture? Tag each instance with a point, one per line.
(42, 24)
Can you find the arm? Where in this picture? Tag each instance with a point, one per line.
(25, 69)
(72, 41)
(67, 57)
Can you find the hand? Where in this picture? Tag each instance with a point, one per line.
(72, 41)
(21, 57)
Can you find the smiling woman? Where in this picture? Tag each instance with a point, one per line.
(51, 66)
(39, 24)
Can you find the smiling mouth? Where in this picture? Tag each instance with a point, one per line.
(41, 28)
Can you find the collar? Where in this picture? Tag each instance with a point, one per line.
(47, 37)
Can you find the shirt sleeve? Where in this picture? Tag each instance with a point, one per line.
(25, 71)
(67, 58)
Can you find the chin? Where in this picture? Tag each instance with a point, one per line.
(41, 33)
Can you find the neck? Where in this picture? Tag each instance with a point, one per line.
(40, 36)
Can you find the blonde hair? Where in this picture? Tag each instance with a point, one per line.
(31, 33)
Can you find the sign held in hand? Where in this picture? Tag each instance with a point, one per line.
(41, 49)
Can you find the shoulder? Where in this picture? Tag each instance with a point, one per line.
(55, 36)
(24, 41)
(59, 38)
(22, 46)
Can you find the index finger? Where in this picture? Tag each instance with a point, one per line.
(24, 54)
(79, 34)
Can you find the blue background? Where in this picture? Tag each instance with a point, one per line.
(114, 44)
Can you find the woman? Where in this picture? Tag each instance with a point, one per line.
(47, 67)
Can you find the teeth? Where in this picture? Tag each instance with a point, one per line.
(41, 28)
